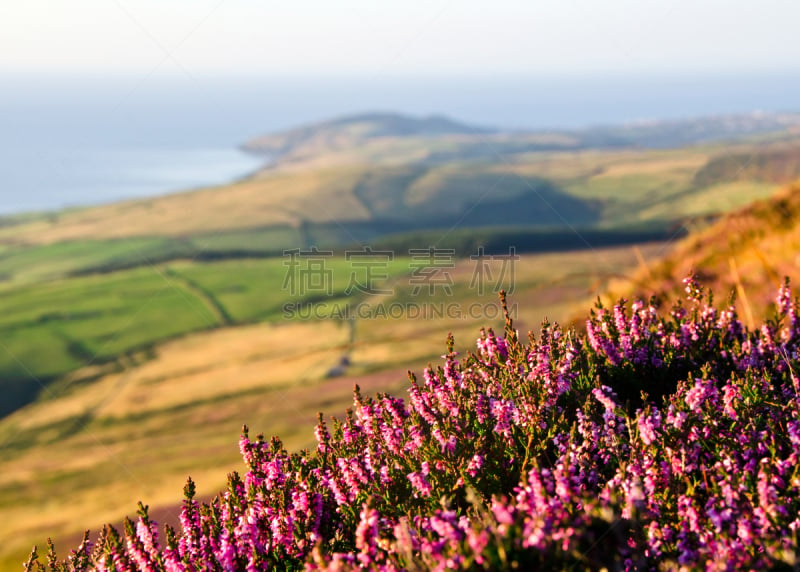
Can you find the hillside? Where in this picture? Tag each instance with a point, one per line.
(118, 322)
(436, 138)
(650, 443)
(150, 411)
(748, 251)
(504, 184)
(357, 130)
(70, 278)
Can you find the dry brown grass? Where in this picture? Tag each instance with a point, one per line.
(656, 162)
(761, 242)
(212, 365)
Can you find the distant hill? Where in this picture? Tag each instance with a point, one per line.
(749, 251)
(361, 178)
(359, 129)
(392, 135)
(659, 134)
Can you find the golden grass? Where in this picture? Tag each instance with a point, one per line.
(234, 360)
(750, 251)
(279, 198)
(720, 198)
(568, 165)
(656, 162)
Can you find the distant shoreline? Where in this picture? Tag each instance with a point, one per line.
(145, 174)
(101, 176)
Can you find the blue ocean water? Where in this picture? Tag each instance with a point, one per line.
(46, 178)
(67, 141)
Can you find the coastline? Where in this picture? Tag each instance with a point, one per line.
(134, 174)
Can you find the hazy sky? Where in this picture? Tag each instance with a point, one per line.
(243, 37)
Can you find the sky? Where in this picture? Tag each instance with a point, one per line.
(196, 38)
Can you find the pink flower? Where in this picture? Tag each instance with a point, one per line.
(475, 465)
(648, 427)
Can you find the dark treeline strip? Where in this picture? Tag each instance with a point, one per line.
(342, 238)
(499, 241)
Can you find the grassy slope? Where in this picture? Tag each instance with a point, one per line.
(54, 319)
(750, 251)
(107, 437)
(608, 187)
(52, 328)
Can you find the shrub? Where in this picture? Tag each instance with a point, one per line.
(652, 442)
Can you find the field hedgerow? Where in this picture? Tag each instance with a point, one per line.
(651, 442)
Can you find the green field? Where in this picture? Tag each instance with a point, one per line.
(30, 265)
(52, 328)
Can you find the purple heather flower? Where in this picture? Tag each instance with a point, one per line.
(475, 465)
(602, 395)
(648, 426)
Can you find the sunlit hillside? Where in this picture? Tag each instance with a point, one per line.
(381, 180)
(748, 252)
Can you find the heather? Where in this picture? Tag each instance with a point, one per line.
(655, 440)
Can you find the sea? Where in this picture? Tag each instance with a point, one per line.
(71, 141)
